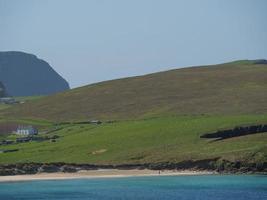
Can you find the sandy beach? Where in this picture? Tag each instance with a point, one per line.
(104, 173)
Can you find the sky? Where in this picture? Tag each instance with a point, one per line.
(88, 41)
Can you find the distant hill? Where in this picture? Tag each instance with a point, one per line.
(26, 75)
(238, 87)
(2, 90)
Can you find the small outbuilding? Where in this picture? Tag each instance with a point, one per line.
(26, 130)
(95, 122)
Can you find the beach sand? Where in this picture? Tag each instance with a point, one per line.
(101, 173)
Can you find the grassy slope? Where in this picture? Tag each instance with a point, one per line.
(233, 88)
(25, 99)
(152, 140)
(28, 98)
(163, 115)
(35, 122)
(4, 106)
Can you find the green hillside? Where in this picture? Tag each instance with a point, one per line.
(232, 88)
(167, 139)
(20, 99)
(149, 119)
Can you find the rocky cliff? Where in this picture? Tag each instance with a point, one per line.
(26, 75)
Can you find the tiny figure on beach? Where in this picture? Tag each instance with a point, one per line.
(159, 171)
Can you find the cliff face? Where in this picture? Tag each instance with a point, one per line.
(26, 75)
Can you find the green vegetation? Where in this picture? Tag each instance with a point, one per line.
(4, 106)
(226, 89)
(34, 122)
(149, 119)
(20, 99)
(153, 140)
(29, 98)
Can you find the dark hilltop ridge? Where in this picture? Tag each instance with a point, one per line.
(24, 74)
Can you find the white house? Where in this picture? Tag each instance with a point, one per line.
(26, 130)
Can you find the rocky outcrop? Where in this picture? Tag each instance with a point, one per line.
(235, 132)
(26, 75)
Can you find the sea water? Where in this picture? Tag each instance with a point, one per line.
(208, 187)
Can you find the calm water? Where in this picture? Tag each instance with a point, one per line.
(176, 187)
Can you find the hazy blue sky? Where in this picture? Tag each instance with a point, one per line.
(94, 40)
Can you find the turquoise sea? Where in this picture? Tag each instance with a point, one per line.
(211, 187)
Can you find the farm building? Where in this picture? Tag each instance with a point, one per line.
(95, 122)
(8, 100)
(26, 130)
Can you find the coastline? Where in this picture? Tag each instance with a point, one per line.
(102, 173)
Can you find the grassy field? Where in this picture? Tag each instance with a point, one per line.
(4, 106)
(226, 89)
(153, 140)
(20, 99)
(28, 98)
